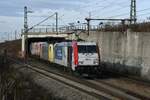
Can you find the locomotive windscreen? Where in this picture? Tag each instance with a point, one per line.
(87, 49)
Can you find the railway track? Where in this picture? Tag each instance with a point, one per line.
(125, 89)
(98, 83)
(97, 88)
(67, 81)
(131, 78)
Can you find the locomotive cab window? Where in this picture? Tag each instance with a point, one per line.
(87, 49)
(82, 49)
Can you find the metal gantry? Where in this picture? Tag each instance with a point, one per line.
(25, 20)
(89, 19)
(26, 29)
(133, 12)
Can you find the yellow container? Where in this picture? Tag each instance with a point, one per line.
(51, 52)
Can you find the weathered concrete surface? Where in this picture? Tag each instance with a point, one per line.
(127, 52)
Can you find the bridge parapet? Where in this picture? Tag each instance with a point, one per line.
(63, 29)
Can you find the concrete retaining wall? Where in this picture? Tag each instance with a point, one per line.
(127, 52)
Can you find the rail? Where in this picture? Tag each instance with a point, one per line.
(88, 87)
(76, 85)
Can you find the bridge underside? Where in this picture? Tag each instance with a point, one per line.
(45, 39)
(52, 38)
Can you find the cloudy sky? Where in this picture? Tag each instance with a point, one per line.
(11, 12)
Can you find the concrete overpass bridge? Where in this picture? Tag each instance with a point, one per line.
(50, 34)
(30, 37)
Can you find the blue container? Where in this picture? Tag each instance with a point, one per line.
(61, 53)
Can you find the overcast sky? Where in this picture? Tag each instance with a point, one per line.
(11, 11)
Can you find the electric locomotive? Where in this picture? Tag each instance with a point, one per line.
(78, 56)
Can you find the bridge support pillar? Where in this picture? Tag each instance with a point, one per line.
(23, 45)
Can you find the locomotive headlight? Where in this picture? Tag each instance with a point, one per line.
(96, 61)
(80, 62)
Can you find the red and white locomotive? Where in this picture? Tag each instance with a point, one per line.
(79, 56)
